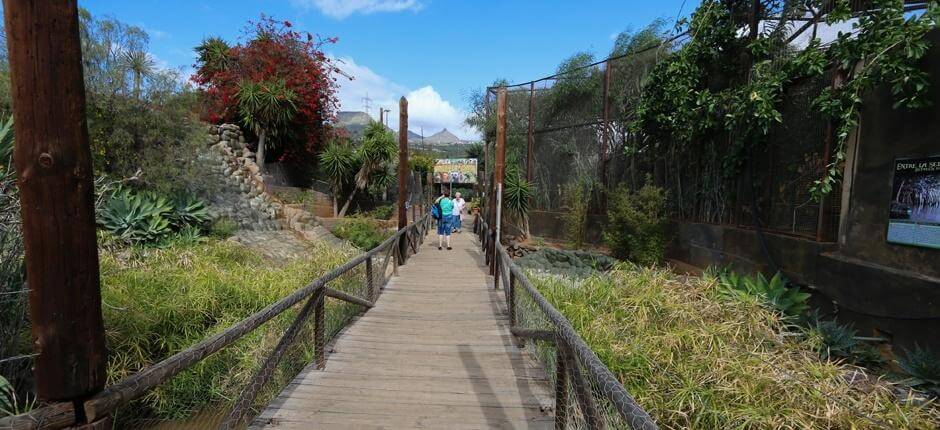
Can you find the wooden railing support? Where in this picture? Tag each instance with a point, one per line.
(561, 388)
(582, 390)
(402, 176)
(319, 329)
(370, 281)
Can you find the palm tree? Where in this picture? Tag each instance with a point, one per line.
(265, 107)
(376, 152)
(338, 161)
(214, 54)
(141, 65)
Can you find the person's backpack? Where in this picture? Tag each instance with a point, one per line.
(436, 211)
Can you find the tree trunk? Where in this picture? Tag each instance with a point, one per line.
(259, 156)
(352, 196)
(335, 205)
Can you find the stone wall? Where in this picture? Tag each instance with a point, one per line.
(243, 194)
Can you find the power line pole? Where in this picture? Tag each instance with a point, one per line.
(53, 164)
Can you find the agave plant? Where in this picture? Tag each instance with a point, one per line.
(789, 301)
(6, 146)
(188, 210)
(923, 366)
(136, 217)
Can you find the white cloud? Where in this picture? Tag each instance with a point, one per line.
(426, 108)
(340, 9)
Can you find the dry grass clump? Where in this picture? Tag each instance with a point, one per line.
(696, 360)
(157, 302)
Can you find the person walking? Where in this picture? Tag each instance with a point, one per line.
(446, 224)
(459, 204)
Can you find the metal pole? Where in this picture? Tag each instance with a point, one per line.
(53, 164)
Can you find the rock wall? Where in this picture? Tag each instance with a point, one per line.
(243, 194)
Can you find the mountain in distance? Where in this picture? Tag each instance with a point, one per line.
(356, 121)
(353, 122)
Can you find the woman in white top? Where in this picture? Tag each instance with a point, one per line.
(459, 204)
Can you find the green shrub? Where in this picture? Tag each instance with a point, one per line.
(577, 197)
(841, 342)
(223, 228)
(364, 233)
(636, 225)
(788, 300)
(161, 301)
(384, 212)
(695, 360)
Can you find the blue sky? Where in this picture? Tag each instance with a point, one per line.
(432, 51)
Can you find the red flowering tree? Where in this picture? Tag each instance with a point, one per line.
(278, 83)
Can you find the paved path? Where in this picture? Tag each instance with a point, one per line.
(435, 352)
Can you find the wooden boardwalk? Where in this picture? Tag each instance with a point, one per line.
(435, 352)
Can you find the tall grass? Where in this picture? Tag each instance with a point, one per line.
(157, 302)
(695, 359)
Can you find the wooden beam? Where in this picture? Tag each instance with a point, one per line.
(402, 173)
(53, 164)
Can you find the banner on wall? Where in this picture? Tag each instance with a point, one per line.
(914, 217)
(455, 171)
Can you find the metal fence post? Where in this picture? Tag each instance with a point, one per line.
(318, 330)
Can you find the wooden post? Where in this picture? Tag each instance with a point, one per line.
(319, 327)
(530, 137)
(402, 175)
(500, 168)
(53, 165)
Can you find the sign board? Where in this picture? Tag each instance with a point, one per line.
(456, 171)
(914, 217)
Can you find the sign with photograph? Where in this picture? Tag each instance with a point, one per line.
(914, 217)
(455, 171)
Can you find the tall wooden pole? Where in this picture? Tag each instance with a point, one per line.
(402, 172)
(53, 165)
(500, 168)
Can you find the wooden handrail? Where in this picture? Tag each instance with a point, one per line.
(62, 414)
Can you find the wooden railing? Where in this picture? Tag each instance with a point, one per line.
(395, 249)
(596, 389)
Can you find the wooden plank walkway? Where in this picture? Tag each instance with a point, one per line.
(435, 352)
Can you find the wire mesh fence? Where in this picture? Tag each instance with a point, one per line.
(572, 136)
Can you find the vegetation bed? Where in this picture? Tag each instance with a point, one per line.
(157, 302)
(697, 359)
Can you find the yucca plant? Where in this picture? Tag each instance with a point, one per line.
(188, 210)
(338, 162)
(377, 150)
(517, 193)
(265, 107)
(789, 301)
(136, 217)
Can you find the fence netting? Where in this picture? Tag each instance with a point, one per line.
(572, 136)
